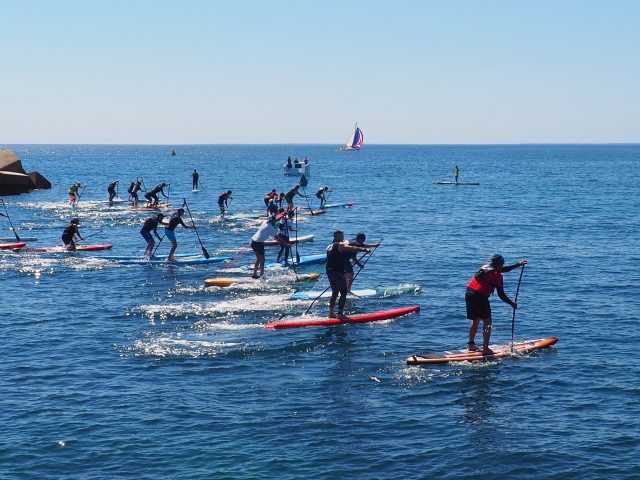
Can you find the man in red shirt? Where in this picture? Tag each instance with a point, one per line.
(479, 289)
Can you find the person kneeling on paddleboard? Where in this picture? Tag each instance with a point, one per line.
(151, 226)
(174, 221)
(479, 289)
(152, 195)
(267, 229)
(338, 254)
(69, 234)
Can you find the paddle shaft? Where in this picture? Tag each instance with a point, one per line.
(307, 199)
(153, 254)
(9, 218)
(204, 250)
(88, 236)
(365, 262)
(513, 319)
(297, 254)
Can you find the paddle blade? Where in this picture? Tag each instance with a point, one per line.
(205, 254)
(297, 257)
(303, 181)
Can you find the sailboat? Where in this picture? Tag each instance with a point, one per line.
(354, 142)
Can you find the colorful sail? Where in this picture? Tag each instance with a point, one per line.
(354, 142)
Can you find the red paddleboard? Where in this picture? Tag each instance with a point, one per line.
(12, 246)
(328, 322)
(499, 351)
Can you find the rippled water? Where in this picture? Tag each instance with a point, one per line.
(114, 371)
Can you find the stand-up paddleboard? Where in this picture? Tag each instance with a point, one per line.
(304, 260)
(315, 212)
(499, 351)
(63, 249)
(228, 281)
(335, 205)
(142, 257)
(328, 322)
(185, 261)
(12, 246)
(13, 239)
(360, 292)
(292, 240)
(145, 208)
(456, 184)
(195, 190)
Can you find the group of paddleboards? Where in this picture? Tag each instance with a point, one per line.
(340, 258)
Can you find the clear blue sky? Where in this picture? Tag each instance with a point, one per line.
(172, 72)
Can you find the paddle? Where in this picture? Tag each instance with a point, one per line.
(303, 183)
(513, 319)
(365, 262)
(238, 257)
(153, 254)
(326, 200)
(204, 250)
(9, 218)
(89, 236)
(297, 254)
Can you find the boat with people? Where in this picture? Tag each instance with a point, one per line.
(296, 167)
(354, 142)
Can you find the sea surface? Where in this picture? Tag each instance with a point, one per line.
(126, 371)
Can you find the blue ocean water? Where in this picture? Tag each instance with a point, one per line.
(113, 371)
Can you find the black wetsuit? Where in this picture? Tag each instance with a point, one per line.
(336, 267)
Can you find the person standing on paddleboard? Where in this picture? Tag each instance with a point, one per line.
(267, 229)
(292, 193)
(73, 194)
(195, 176)
(133, 192)
(223, 201)
(353, 259)
(338, 253)
(151, 226)
(69, 234)
(479, 289)
(320, 195)
(152, 195)
(174, 221)
(111, 189)
(456, 172)
(283, 232)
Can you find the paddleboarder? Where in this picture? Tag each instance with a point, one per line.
(111, 189)
(358, 241)
(456, 172)
(292, 193)
(223, 201)
(194, 179)
(479, 289)
(70, 233)
(133, 190)
(267, 229)
(284, 227)
(338, 254)
(320, 195)
(174, 221)
(269, 196)
(73, 193)
(151, 226)
(152, 195)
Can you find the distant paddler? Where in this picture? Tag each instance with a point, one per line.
(70, 233)
(456, 173)
(479, 289)
(74, 196)
(174, 221)
(223, 201)
(338, 254)
(151, 226)
(152, 195)
(111, 189)
(320, 195)
(267, 229)
(292, 193)
(133, 190)
(195, 176)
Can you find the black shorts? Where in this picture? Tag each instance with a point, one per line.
(477, 305)
(257, 247)
(337, 281)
